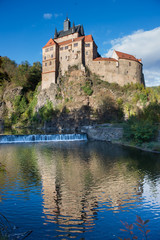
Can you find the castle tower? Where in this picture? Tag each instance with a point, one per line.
(67, 24)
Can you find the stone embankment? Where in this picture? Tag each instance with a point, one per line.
(103, 132)
(106, 132)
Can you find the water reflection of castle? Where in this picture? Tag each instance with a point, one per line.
(73, 187)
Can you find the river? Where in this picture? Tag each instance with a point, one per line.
(79, 190)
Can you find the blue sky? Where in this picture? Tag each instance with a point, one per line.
(129, 26)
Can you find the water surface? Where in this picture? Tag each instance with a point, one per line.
(79, 190)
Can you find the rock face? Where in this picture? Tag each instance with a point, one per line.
(7, 100)
(79, 100)
(47, 95)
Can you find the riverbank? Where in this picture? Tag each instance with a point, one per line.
(114, 134)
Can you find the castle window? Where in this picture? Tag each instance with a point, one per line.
(66, 47)
(51, 55)
(75, 44)
(47, 49)
(44, 57)
(87, 45)
(61, 48)
(86, 53)
(45, 64)
(51, 48)
(50, 63)
(129, 63)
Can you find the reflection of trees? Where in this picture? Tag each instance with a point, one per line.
(21, 165)
(78, 177)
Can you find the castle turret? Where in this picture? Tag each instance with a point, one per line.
(82, 30)
(55, 33)
(73, 28)
(67, 24)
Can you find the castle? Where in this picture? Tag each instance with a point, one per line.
(71, 47)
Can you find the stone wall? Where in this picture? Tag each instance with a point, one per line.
(69, 55)
(49, 66)
(122, 72)
(108, 134)
(48, 78)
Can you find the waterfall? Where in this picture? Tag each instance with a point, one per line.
(42, 138)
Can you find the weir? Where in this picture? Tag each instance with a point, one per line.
(42, 138)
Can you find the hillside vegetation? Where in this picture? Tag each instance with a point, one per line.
(17, 88)
(80, 98)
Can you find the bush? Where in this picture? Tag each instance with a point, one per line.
(87, 88)
(46, 112)
(139, 131)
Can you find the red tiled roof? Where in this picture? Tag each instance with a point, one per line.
(70, 41)
(126, 56)
(104, 59)
(49, 43)
(88, 38)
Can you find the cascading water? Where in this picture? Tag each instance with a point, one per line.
(42, 138)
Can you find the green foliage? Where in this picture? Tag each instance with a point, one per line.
(46, 112)
(132, 86)
(87, 88)
(23, 75)
(139, 131)
(66, 100)
(20, 106)
(71, 68)
(120, 102)
(152, 112)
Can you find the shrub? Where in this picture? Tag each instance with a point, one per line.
(139, 131)
(46, 112)
(87, 88)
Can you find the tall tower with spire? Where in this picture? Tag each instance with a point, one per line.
(55, 33)
(67, 24)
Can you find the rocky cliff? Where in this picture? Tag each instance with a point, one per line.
(79, 98)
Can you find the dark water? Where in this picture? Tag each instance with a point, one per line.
(79, 190)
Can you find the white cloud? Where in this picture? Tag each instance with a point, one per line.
(56, 15)
(47, 15)
(145, 45)
(152, 78)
